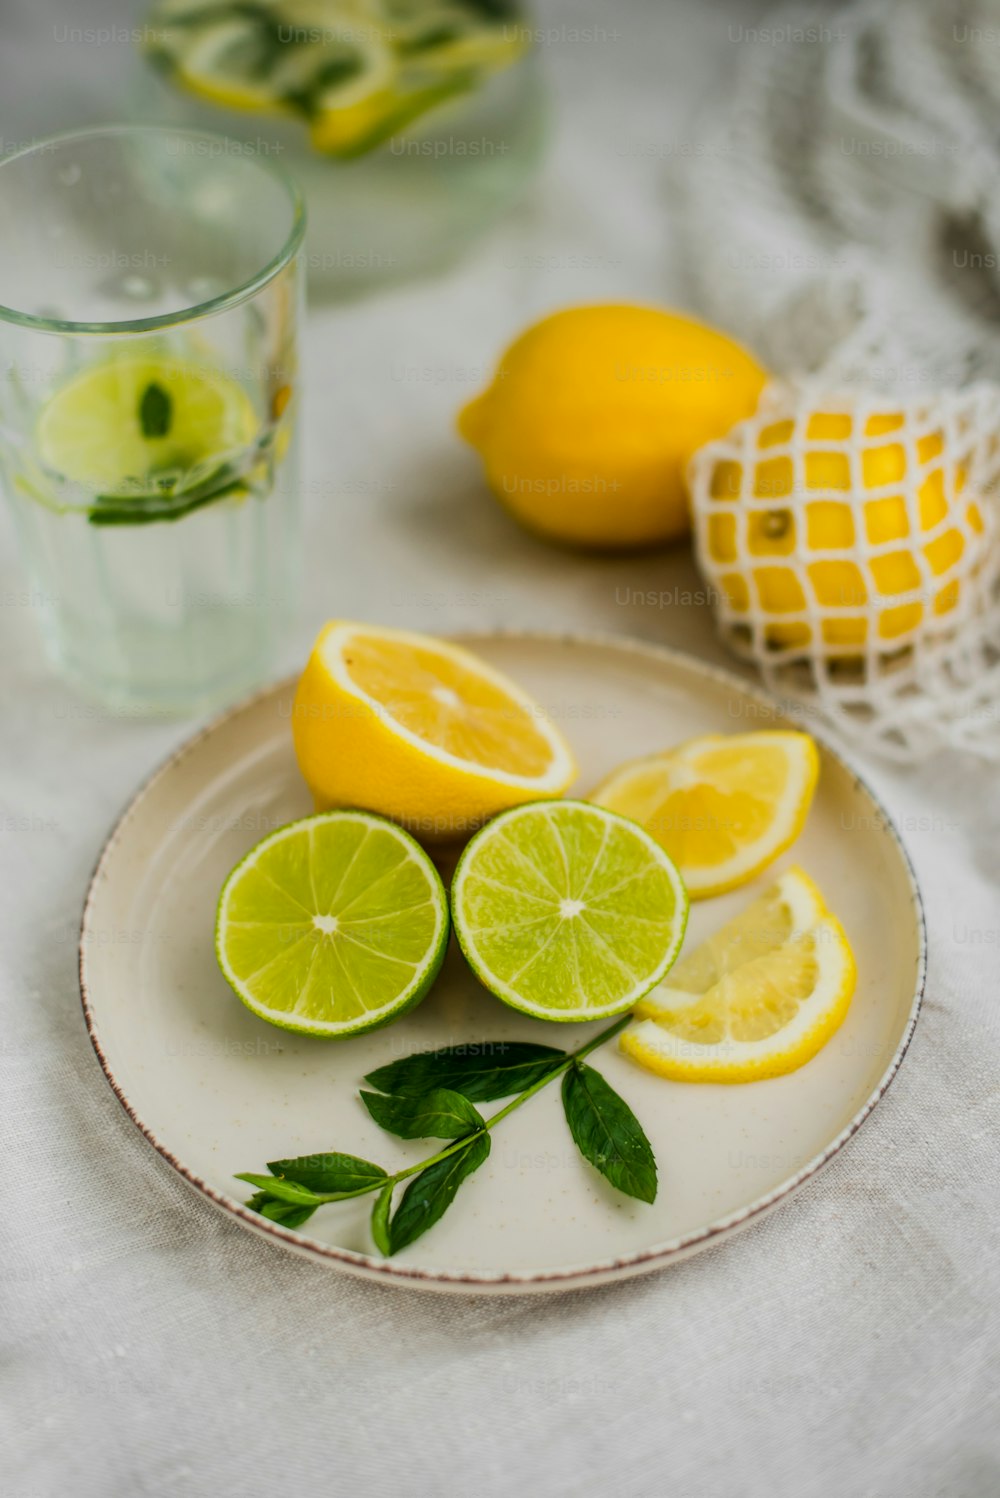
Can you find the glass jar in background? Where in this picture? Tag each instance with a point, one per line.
(412, 125)
(149, 299)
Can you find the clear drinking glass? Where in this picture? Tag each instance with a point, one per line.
(150, 290)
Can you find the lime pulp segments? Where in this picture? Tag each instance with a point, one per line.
(568, 911)
(333, 925)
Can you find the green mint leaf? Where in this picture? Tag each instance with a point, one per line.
(380, 1219)
(431, 1193)
(328, 1173)
(286, 1213)
(607, 1132)
(282, 1191)
(482, 1071)
(441, 1114)
(155, 411)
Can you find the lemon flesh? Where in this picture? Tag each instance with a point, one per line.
(139, 426)
(758, 999)
(593, 413)
(723, 806)
(333, 925)
(567, 912)
(791, 905)
(420, 730)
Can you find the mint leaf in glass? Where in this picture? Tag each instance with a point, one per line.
(155, 411)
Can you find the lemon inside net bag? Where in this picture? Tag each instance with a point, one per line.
(850, 542)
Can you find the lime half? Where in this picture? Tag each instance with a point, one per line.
(568, 911)
(132, 426)
(333, 925)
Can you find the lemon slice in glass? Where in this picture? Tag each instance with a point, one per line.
(760, 998)
(566, 911)
(333, 925)
(139, 426)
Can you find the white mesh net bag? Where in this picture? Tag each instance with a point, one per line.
(850, 542)
(844, 222)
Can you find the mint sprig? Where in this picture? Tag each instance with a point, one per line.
(430, 1095)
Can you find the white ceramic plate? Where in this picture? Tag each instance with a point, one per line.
(216, 1090)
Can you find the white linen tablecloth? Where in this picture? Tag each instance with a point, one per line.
(845, 1347)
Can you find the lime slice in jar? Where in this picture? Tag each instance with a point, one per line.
(356, 74)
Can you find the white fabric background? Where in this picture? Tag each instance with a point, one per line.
(846, 1347)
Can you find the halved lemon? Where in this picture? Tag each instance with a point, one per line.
(420, 730)
(760, 998)
(723, 806)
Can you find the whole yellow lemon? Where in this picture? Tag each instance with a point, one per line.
(593, 413)
(830, 549)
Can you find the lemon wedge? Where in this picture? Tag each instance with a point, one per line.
(421, 731)
(758, 999)
(723, 806)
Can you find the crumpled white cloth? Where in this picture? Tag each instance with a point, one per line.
(845, 1347)
(851, 177)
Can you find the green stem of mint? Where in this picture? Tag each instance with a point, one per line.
(557, 1071)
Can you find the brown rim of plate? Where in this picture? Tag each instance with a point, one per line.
(578, 1276)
